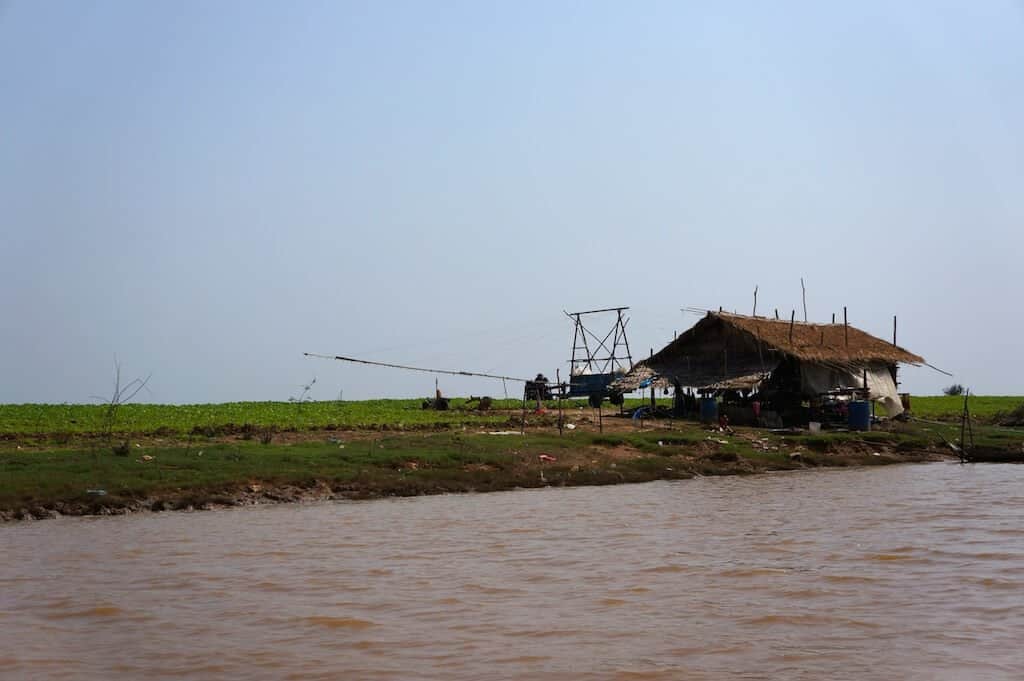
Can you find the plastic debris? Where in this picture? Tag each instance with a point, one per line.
(546, 457)
(97, 492)
(570, 426)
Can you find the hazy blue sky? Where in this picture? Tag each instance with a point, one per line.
(208, 189)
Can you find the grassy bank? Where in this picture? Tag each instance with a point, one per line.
(76, 481)
(59, 459)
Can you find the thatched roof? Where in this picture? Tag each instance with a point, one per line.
(723, 348)
(827, 343)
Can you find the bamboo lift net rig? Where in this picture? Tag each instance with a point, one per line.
(527, 382)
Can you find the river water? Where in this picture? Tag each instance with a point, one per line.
(909, 572)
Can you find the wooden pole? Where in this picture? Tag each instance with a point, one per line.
(776, 313)
(846, 327)
(894, 329)
(558, 381)
(963, 426)
(522, 429)
(754, 314)
(833, 317)
(803, 292)
(792, 318)
(652, 387)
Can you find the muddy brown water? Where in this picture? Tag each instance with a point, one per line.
(910, 572)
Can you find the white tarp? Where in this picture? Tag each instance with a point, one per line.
(816, 379)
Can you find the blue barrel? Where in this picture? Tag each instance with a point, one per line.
(860, 415)
(708, 410)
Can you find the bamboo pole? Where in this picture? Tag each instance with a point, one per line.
(653, 404)
(522, 428)
(558, 381)
(803, 292)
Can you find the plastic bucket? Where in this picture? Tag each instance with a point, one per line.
(814, 426)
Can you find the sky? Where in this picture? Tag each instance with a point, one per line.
(202, 191)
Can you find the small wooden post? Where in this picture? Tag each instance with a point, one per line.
(894, 329)
(833, 317)
(522, 429)
(558, 386)
(792, 318)
(776, 313)
(754, 314)
(846, 327)
(964, 421)
(652, 387)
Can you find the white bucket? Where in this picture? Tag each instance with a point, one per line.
(814, 427)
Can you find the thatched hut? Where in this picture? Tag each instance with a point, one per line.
(788, 360)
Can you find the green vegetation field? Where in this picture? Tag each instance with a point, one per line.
(183, 419)
(407, 414)
(983, 407)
